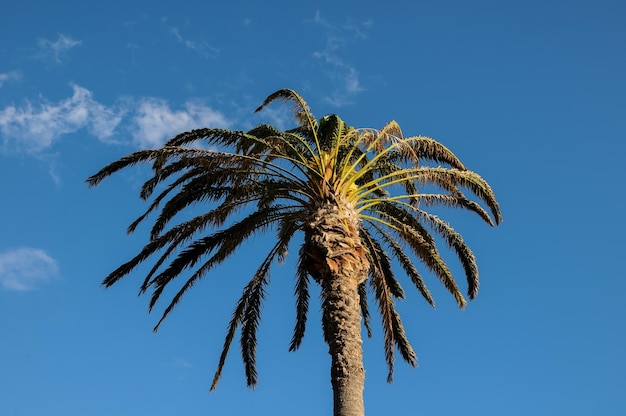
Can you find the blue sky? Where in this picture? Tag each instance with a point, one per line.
(529, 94)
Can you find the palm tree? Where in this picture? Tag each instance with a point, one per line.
(358, 197)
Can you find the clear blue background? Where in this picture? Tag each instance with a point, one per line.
(532, 95)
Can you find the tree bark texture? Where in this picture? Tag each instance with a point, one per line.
(337, 261)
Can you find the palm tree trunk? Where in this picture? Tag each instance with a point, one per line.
(343, 329)
(337, 260)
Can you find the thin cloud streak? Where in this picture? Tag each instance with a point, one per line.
(201, 48)
(55, 51)
(26, 269)
(9, 76)
(344, 76)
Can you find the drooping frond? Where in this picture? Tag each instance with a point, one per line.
(159, 176)
(301, 291)
(247, 313)
(288, 229)
(126, 161)
(159, 198)
(173, 237)
(365, 313)
(466, 179)
(424, 148)
(301, 110)
(457, 244)
(428, 176)
(402, 343)
(423, 246)
(251, 318)
(380, 266)
(407, 265)
(385, 308)
(227, 138)
(290, 144)
(454, 200)
(224, 243)
(386, 288)
(232, 329)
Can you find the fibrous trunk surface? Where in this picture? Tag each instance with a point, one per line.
(336, 259)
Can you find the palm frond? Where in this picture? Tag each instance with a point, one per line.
(385, 308)
(173, 168)
(224, 243)
(457, 244)
(149, 249)
(159, 198)
(379, 262)
(446, 178)
(402, 343)
(423, 246)
(422, 147)
(467, 179)
(455, 199)
(301, 291)
(251, 318)
(301, 110)
(384, 284)
(248, 313)
(407, 265)
(232, 329)
(362, 288)
(211, 136)
(126, 161)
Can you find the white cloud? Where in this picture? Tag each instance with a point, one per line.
(56, 50)
(26, 269)
(9, 76)
(35, 128)
(155, 122)
(202, 48)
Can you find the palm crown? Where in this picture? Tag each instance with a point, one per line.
(373, 180)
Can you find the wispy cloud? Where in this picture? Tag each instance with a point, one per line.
(155, 121)
(33, 128)
(9, 76)
(344, 76)
(281, 116)
(202, 48)
(182, 363)
(26, 269)
(56, 50)
(181, 367)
